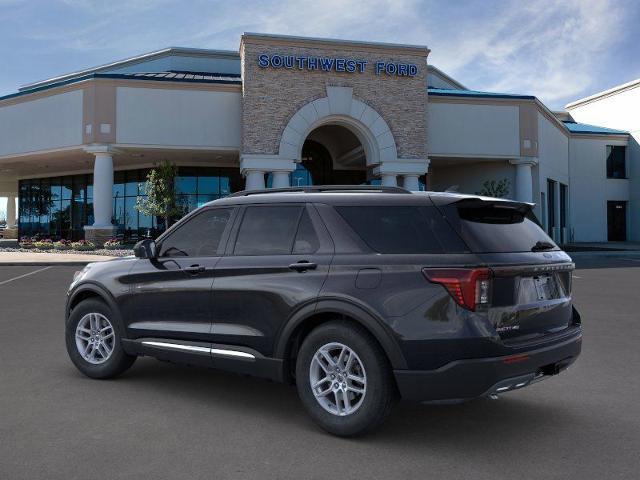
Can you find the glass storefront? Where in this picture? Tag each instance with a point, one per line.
(60, 207)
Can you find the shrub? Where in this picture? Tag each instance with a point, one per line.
(62, 245)
(46, 244)
(83, 245)
(113, 244)
(26, 242)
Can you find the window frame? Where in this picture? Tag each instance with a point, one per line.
(185, 220)
(625, 175)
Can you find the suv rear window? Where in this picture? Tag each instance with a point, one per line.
(498, 228)
(403, 229)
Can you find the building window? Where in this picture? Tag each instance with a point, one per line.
(60, 207)
(616, 161)
(551, 206)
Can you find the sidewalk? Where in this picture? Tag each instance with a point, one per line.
(32, 258)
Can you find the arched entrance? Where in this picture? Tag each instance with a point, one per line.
(331, 155)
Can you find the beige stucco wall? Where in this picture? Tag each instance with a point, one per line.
(271, 96)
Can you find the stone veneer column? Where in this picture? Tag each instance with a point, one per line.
(102, 229)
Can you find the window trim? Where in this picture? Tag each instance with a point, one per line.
(199, 211)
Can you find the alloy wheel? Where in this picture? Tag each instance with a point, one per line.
(95, 338)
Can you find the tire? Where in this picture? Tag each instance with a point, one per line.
(100, 363)
(380, 393)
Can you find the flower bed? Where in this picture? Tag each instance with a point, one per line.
(83, 246)
(113, 244)
(62, 245)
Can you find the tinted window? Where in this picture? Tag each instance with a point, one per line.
(490, 228)
(199, 236)
(267, 230)
(306, 238)
(616, 161)
(402, 229)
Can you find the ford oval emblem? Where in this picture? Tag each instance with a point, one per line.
(547, 255)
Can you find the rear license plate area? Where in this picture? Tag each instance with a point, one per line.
(545, 287)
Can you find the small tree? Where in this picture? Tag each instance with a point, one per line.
(498, 189)
(160, 200)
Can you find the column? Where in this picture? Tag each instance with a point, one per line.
(280, 179)
(11, 212)
(524, 179)
(254, 179)
(102, 229)
(254, 165)
(389, 180)
(411, 182)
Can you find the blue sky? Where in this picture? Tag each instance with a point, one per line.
(557, 50)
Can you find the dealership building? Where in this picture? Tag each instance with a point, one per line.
(75, 149)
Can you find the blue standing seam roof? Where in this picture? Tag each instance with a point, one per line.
(585, 128)
(445, 92)
(153, 76)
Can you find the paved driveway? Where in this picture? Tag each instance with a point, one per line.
(167, 421)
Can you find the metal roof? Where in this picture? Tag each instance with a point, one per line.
(475, 93)
(186, 77)
(585, 128)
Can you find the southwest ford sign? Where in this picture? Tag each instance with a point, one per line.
(334, 64)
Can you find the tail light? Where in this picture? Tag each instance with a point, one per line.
(469, 287)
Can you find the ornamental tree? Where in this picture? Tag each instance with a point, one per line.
(498, 189)
(160, 199)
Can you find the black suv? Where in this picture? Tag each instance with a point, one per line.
(357, 295)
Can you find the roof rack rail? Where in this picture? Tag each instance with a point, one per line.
(323, 188)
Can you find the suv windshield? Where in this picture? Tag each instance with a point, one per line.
(498, 227)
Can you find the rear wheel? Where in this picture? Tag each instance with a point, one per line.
(344, 379)
(93, 341)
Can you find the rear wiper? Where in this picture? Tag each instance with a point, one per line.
(542, 246)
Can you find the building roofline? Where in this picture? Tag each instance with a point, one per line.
(445, 92)
(530, 98)
(448, 78)
(132, 61)
(605, 93)
(115, 76)
(416, 49)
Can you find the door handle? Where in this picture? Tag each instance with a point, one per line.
(303, 266)
(194, 269)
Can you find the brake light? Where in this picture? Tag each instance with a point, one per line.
(469, 287)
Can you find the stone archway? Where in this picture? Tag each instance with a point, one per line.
(340, 108)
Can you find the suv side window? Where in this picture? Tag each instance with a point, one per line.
(200, 235)
(268, 230)
(307, 240)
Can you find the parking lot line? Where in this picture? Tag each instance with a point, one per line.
(25, 275)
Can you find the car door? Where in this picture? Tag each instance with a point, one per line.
(171, 294)
(277, 259)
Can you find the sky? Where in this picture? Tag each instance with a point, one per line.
(557, 50)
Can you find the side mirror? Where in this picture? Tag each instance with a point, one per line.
(145, 249)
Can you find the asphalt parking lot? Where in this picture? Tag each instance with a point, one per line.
(166, 421)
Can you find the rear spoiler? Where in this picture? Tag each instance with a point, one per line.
(469, 200)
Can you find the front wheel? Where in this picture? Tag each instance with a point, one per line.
(93, 341)
(344, 379)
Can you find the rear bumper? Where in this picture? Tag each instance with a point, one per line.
(467, 379)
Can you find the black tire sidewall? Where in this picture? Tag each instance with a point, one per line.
(119, 360)
(380, 388)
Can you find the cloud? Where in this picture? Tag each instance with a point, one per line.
(557, 50)
(551, 49)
